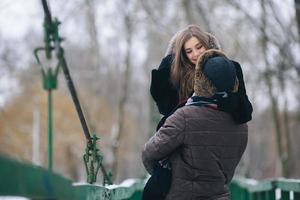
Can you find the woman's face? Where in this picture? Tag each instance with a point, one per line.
(193, 48)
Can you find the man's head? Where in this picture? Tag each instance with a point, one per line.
(214, 73)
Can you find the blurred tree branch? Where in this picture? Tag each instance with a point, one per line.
(119, 137)
(154, 18)
(203, 15)
(281, 43)
(297, 8)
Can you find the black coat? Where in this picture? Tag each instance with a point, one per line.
(162, 90)
(166, 95)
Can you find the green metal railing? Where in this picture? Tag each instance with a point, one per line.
(25, 180)
(272, 189)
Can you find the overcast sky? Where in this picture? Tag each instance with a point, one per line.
(19, 16)
(16, 19)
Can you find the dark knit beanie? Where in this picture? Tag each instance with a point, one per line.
(221, 72)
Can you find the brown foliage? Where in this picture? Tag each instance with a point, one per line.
(68, 138)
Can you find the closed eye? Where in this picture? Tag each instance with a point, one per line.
(199, 46)
(188, 51)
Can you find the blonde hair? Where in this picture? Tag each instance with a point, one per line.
(182, 70)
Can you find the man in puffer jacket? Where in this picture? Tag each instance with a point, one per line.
(204, 144)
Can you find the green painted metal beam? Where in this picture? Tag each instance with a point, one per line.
(21, 179)
(25, 180)
(243, 189)
(253, 185)
(130, 189)
(288, 184)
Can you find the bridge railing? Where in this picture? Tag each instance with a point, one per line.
(272, 189)
(24, 180)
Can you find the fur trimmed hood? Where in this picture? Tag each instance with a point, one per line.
(202, 85)
(213, 43)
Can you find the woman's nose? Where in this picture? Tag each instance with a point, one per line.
(196, 53)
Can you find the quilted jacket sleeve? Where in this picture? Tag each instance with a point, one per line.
(166, 140)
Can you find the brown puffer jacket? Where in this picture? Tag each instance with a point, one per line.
(205, 145)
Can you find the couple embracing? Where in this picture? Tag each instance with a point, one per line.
(203, 133)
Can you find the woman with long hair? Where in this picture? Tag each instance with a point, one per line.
(173, 83)
(190, 44)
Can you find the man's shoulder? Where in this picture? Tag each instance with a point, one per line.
(194, 111)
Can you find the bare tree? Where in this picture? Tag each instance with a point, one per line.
(186, 4)
(204, 15)
(297, 8)
(124, 92)
(275, 74)
(94, 53)
(268, 79)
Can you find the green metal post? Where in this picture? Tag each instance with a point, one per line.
(257, 196)
(271, 195)
(252, 196)
(262, 195)
(52, 42)
(49, 84)
(234, 191)
(285, 195)
(245, 194)
(50, 129)
(296, 195)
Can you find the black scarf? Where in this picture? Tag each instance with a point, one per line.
(206, 101)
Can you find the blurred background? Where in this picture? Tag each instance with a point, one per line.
(111, 46)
